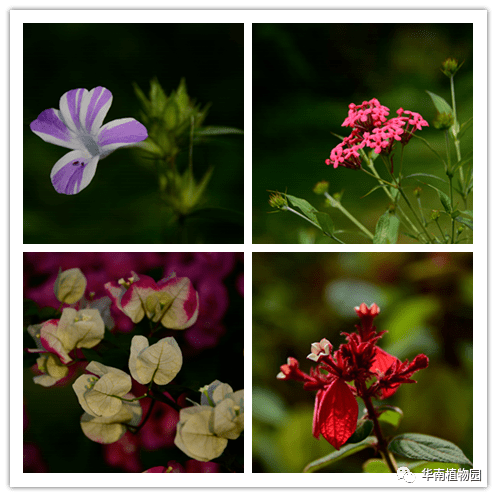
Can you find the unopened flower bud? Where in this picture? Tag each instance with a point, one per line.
(277, 200)
(417, 191)
(460, 229)
(435, 214)
(70, 286)
(443, 121)
(450, 67)
(321, 187)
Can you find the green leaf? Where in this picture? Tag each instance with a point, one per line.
(363, 431)
(387, 229)
(218, 130)
(375, 466)
(307, 209)
(345, 451)
(467, 213)
(428, 448)
(440, 103)
(325, 222)
(372, 190)
(391, 415)
(426, 175)
(465, 221)
(445, 200)
(418, 467)
(465, 126)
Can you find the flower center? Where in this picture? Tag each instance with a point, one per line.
(90, 144)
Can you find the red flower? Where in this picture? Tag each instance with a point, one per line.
(335, 413)
(342, 375)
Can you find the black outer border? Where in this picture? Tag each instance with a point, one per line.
(263, 6)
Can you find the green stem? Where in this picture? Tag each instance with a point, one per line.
(440, 228)
(335, 203)
(456, 139)
(382, 444)
(401, 191)
(289, 209)
(406, 219)
(448, 172)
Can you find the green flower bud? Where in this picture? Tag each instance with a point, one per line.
(435, 214)
(460, 229)
(321, 187)
(277, 200)
(70, 286)
(450, 67)
(443, 121)
(417, 191)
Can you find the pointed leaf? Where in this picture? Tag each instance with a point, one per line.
(391, 415)
(428, 448)
(425, 175)
(387, 229)
(465, 126)
(345, 451)
(362, 432)
(307, 209)
(465, 221)
(375, 466)
(440, 103)
(325, 222)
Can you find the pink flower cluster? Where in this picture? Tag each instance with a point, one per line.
(371, 128)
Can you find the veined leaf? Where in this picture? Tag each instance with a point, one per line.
(425, 175)
(440, 103)
(307, 209)
(387, 229)
(345, 451)
(428, 448)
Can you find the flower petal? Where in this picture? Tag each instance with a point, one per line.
(70, 107)
(383, 360)
(73, 172)
(120, 133)
(94, 107)
(338, 413)
(50, 127)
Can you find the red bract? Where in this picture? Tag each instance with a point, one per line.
(358, 368)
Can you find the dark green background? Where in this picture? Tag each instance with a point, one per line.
(121, 204)
(426, 302)
(304, 78)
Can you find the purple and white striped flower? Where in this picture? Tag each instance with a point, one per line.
(78, 126)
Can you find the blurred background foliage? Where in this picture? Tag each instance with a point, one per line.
(304, 78)
(299, 298)
(122, 205)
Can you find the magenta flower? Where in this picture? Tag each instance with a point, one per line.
(78, 126)
(372, 129)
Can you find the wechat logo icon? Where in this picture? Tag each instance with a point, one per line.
(404, 473)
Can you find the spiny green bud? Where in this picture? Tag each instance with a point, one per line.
(277, 200)
(451, 66)
(435, 214)
(417, 191)
(443, 121)
(321, 187)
